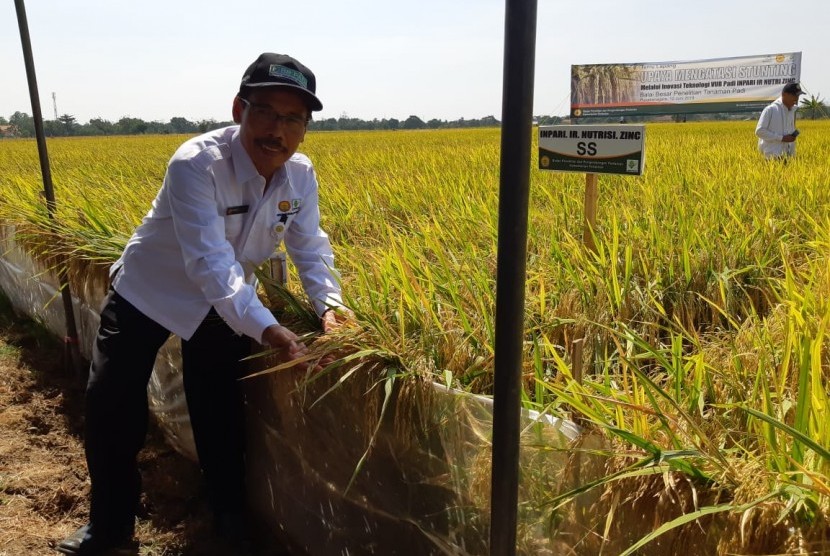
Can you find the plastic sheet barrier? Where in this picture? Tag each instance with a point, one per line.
(33, 290)
(331, 472)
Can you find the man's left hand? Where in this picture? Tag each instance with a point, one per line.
(336, 317)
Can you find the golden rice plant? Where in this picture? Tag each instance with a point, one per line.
(699, 323)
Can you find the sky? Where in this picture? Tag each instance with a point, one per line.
(443, 59)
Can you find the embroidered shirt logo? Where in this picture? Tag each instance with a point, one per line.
(288, 208)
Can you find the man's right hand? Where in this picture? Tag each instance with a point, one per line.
(280, 338)
(788, 138)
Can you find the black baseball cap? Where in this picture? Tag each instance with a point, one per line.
(281, 70)
(793, 89)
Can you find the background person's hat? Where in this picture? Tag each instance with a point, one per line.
(280, 70)
(793, 89)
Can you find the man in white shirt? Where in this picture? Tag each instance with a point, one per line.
(776, 127)
(229, 198)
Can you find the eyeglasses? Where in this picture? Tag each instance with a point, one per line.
(266, 114)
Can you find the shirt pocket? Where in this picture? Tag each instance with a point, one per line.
(281, 223)
(278, 231)
(233, 226)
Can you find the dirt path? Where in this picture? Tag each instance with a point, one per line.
(43, 477)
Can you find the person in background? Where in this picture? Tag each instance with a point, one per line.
(228, 199)
(776, 127)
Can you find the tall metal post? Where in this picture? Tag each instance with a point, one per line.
(514, 187)
(71, 339)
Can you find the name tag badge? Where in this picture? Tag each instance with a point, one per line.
(241, 209)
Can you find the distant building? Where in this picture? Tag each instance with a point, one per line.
(9, 131)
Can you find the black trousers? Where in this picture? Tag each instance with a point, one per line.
(117, 413)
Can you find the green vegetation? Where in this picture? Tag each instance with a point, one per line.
(700, 323)
(814, 107)
(21, 124)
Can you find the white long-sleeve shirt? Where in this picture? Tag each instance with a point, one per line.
(210, 226)
(775, 122)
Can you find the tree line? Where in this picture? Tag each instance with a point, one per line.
(21, 124)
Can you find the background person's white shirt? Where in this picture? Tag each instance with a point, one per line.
(775, 122)
(210, 225)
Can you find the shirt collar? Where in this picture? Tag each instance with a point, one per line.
(245, 169)
(780, 101)
(243, 165)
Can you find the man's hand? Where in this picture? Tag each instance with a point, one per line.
(336, 317)
(788, 138)
(331, 320)
(282, 339)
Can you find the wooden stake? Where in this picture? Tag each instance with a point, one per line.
(576, 359)
(591, 197)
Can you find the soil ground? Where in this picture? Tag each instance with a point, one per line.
(43, 478)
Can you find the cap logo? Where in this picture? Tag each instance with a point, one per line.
(283, 72)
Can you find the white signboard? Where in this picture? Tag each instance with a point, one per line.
(593, 149)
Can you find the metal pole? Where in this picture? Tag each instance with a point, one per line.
(71, 339)
(517, 123)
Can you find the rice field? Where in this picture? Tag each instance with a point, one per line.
(693, 341)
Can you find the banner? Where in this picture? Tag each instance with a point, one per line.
(739, 84)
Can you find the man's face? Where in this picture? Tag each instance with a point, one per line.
(272, 126)
(789, 99)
